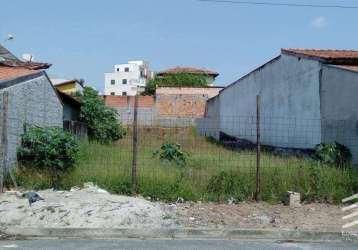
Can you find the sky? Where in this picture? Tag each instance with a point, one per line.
(85, 38)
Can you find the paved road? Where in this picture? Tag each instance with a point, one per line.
(169, 244)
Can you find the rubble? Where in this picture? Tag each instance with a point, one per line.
(90, 207)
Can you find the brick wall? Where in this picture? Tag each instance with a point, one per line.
(171, 106)
(128, 101)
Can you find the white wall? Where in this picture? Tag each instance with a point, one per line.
(133, 77)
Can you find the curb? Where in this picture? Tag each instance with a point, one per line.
(178, 233)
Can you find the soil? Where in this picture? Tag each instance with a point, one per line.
(322, 217)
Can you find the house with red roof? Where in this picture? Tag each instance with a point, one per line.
(210, 75)
(308, 96)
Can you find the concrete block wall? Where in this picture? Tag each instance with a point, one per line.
(31, 103)
(290, 104)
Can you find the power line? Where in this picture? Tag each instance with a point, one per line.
(282, 4)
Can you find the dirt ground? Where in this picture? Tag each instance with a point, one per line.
(322, 217)
(92, 207)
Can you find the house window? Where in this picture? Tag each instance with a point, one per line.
(113, 82)
(112, 93)
(124, 81)
(117, 69)
(126, 69)
(124, 93)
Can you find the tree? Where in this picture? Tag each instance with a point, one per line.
(176, 80)
(101, 120)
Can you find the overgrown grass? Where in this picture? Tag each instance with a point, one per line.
(212, 172)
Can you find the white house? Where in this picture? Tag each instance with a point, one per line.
(127, 79)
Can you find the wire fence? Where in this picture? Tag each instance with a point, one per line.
(243, 156)
(218, 157)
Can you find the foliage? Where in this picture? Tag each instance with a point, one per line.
(109, 166)
(48, 148)
(334, 153)
(176, 80)
(101, 120)
(170, 152)
(222, 184)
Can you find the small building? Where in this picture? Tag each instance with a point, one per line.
(71, 107)
(68, 86)
(27, 98)
(127, 79)
(210, 75)
(307, 97)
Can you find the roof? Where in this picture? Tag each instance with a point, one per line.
(10, 60)
(27, 65)
(344, 57)
(67, 99)
(20, 79)
(193, 87)
(348, 67)
(188, 70)
(8, 73)
(6, 55)
(59, 82)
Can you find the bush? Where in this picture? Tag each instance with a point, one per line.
(50, 149)
(170, 152)
(101, 120)
(176, 80)
(334, 153)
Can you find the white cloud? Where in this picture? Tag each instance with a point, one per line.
(319, 22)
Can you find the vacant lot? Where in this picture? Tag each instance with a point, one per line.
(212, 172)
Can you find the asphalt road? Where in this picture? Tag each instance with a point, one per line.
(170, 244)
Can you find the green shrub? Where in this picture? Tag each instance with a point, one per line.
(170, 152)
(101, 120)
(334, 153)
(49, 149)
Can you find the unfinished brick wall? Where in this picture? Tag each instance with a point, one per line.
(190, 106)
(183, 102)
(128, 101)
(180, 104)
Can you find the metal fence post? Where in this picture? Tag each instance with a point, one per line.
(258, 150)
(4, 141)
(135, 146)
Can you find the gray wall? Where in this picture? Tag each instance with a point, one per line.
(33, 102)
(70, 113)
(339, 107)
(290, 103)
(210, 125)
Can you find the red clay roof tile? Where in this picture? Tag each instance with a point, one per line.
(7, 73)
(345, 56)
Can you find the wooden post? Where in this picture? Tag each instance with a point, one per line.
(258, 150)
(135, 146)
(4, 141)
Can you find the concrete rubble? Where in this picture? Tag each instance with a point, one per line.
(89, 207)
